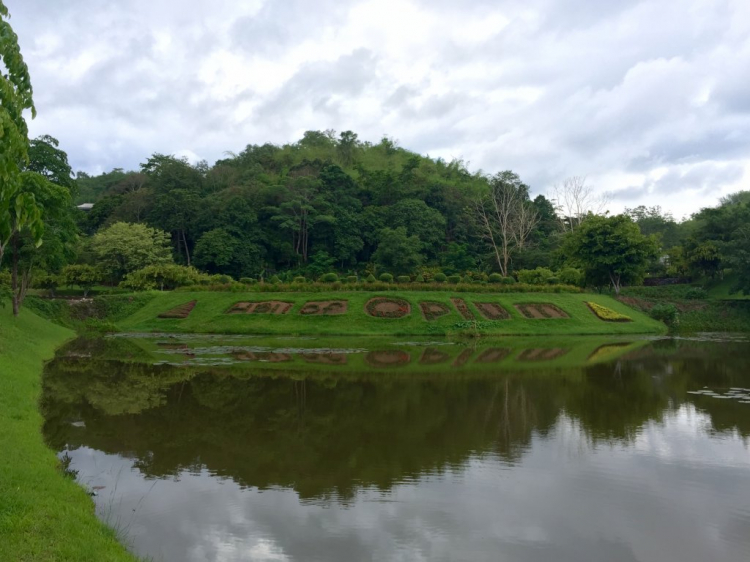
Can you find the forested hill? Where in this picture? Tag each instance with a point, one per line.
(324, 203)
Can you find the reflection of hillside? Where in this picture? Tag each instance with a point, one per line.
(323, 435)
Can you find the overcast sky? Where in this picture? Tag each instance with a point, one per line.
(650, 100)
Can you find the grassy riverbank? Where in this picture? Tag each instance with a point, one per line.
(210, 315)
(44, 516)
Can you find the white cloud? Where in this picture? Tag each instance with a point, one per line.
(620, 91)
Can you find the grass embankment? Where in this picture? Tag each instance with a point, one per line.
(718, 313)
(210, 315)
(43, 514)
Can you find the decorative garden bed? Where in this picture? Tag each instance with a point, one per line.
(542, 354)
(432, 310)
(463, 357)
(180, 312)
(387, 307)
(266, 307)
(387, 358)
(541, 311)
(432, 356)
(463, 310)
(325, 358)
(492, 311)
(493, 355)
(324, 308)
(607, 314)
(263, 356)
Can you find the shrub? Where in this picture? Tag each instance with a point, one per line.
(607, 314)
(163, 277)
(351, 279)
(696, 293)
(570, 276)
(370, 279)
(299, 280)
(85, 276)
(386, 278)
(403, 279)
(329, 278)
(419, 278)
(538, 276)
(275, 280)
(553, 280)
(467, 279)
(495, 278)
(454, 279)
(248, 280)
(666, 313)
(441, 277)
(508, 281)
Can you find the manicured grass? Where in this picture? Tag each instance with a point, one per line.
(44, 516)
(209, 315)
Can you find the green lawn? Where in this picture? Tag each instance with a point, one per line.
(209, 315)
(44, 516)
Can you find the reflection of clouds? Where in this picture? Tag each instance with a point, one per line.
(677, 493)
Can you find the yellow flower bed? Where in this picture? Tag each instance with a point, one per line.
(607, 314)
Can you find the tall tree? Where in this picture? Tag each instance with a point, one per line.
(17, 210)
(506, 217)
(610, 250)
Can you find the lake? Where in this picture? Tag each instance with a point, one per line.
(232, 448)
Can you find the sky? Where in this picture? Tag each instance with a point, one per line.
(647, 99)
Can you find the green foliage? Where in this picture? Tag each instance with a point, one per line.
(696, 293)
(419, 278)
(495, 278)
(370, 278)
(508, 281)
(667, 313)
(161, 277)
(351, 279)
(441, 278)
(123, 248)
(538, 276)
(398, 251)
(329, 278)
(454, 279)
(248, 280)
(386, 278)
(274, 280)
(610, 251)
(570, 276)
(84, 276)
(403, 279)
(299, 280)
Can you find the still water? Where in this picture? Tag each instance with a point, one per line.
(228, 448)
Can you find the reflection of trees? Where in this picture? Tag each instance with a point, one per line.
(323, 436)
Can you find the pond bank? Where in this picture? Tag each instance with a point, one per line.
(44, 515)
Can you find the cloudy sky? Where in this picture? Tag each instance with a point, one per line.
(649, 99)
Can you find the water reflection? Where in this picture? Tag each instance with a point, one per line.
(564, 450)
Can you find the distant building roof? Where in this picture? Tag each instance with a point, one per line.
(86, 206)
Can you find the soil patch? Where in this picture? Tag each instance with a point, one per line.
(325, 358)
(432, 310)
(463, 310)
(266, 307)
(325, 308)
(463, 357)
(181, 312)
(492, 311)
(382, 359)
(493, 355)
(540, 311)
(542, 354)
(387, 307)
(432, 356)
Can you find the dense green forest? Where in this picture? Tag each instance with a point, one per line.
(334, 204)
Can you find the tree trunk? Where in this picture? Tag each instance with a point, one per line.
(187, 249)
(14, 276)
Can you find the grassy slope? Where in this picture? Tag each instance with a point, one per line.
(209, 315)
(43, 515)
